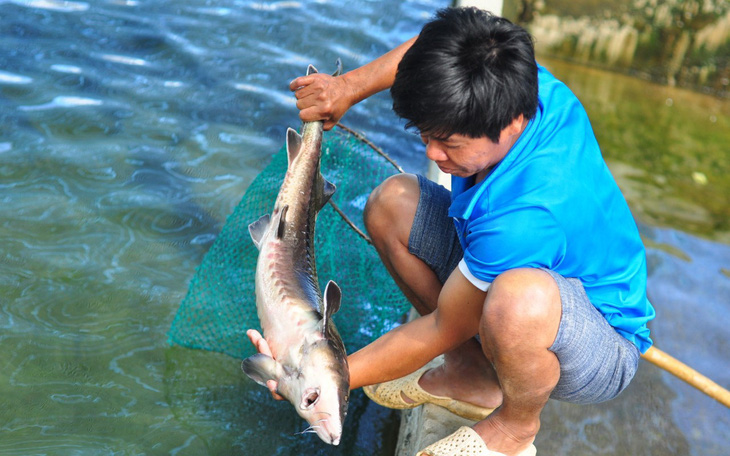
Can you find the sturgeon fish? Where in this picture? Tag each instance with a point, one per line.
(309, 360)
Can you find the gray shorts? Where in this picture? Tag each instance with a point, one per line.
(596, 362)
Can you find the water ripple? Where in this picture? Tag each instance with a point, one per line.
(123, 59)
(70, 69)
(129, 131)
(64, 102)
(270, 94)
(274, 6)
(53, 5)
(11, 78)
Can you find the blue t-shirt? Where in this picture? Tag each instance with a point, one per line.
(553, 203)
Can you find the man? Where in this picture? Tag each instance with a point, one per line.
(534, 250)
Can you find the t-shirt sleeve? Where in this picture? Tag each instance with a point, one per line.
(519, 238)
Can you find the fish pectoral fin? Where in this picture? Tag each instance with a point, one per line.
(332, 300)
(293, 144)
(332, 297)
(258, 228)
(261, 368)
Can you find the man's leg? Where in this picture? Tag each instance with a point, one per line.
(466, 374)
(519, 324)
(389, 216)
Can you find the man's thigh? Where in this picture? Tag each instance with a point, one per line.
(433, 236)
(390, 209)
(596, 362)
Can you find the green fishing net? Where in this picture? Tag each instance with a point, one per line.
(221, 305)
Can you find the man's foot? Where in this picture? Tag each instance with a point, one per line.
(393, 394)
(466, 378)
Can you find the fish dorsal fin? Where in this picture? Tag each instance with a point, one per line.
(280, 221)
(311, 69)
(258, 228)
(293, 144)
(332, 299)
(338, 71)
(329, 189)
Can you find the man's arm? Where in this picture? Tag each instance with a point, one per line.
(412, 345)
(324, 97)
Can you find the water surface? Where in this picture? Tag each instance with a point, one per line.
(128, 132)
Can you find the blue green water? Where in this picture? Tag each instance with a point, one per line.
(129, 130)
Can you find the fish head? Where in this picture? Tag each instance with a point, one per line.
(322, 390)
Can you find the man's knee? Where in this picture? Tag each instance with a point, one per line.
(522, 304)
(391, 207)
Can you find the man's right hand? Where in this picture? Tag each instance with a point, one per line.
(322, 97)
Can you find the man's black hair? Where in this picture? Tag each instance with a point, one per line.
(469, 73)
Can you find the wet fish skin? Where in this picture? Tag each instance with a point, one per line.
(309, 360)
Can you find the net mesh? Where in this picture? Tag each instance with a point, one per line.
(221, 305)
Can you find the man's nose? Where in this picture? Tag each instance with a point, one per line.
(434, 152)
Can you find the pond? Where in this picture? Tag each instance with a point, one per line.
(129, 130)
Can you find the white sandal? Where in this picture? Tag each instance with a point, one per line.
(388, 394)
(466, 442)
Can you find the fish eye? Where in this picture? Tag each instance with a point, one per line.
(309, 399)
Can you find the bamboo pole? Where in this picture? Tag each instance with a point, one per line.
(689, 375)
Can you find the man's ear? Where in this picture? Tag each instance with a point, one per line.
(514, 128)
(517, 125)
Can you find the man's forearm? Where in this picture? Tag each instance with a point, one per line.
(402, 351)
(395, 354)
(412, 345)
(377, 75)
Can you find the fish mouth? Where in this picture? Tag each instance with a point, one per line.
(333, 438)
(329, 432)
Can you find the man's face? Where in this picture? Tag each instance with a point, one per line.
(463, 156)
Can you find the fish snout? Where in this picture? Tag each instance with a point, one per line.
(329, 435)
(329, 430)
(335, 439)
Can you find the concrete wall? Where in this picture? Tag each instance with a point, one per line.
(495, 6)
